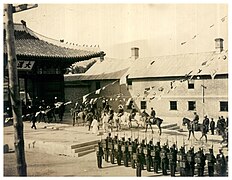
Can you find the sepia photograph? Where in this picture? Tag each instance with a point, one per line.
(115, 89)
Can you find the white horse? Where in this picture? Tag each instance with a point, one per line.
(123, 121)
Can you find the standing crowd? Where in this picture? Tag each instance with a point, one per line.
(165, 160)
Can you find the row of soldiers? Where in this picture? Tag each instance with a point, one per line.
(153, 157)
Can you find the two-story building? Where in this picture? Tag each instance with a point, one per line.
(174, 85)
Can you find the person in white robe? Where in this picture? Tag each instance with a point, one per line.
(95, 126)
(105, 122)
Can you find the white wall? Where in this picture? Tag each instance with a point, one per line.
(216, 91)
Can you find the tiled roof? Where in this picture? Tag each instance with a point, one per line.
(180, 65)
(102, 76)
(109, 65)
(29, 45)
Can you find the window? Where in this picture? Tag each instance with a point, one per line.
(173, 105)
(98, 85)
(129, 82)
(143, 105)
(191, 105)
(190, 85)
(224, 106)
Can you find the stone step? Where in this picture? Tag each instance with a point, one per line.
(174, 128)
(85, 152)
(75, 146)
(167, 126)
(85, 148)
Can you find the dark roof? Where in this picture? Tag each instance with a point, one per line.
(28, 44)
(102, 76)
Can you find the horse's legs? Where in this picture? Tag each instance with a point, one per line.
(151, 129)
(146, 128)
(160, 131)
(194, 135)
(189, 134)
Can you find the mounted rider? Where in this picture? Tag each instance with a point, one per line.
(152, 113)
(132, 113)
(120, 110)
(195, 120)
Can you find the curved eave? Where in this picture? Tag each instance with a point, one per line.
(66, 58)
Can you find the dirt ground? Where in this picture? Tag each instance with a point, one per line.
(42, 164)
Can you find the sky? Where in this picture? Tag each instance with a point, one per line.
(157, 29)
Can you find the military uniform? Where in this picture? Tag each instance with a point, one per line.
(111, 146)
(125, 153)
(147, 153)
(164, 160)
(221, 164)
(143, 146)
(211, 162)
(172, 160)
(200, 161)
(180, 160)
(118, 152)
(190, 159)
(155, 153)
(184, 166)
(132, 150)
(139, 161)
(99, 152)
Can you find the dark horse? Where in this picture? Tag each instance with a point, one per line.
(191, 127)
(157, 121)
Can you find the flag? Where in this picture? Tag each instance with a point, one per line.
(128, 102)
(85, 97)
(69, 102)
(91, 101)
(95, 100)
(211, 26)
(204, 63)
(199, 70)
(171, 85)
(123, 79)
(183, 43)
(146, 92)
(189, 73)
(98, 91)
(161, 88)
(223, 19)
(213, 73)
(194, 36)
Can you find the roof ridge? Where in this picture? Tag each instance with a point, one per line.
(178, 54)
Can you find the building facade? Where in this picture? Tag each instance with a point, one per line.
(41, 66)
(174, 85)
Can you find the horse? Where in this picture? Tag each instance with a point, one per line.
(156, 121)
(191, 127)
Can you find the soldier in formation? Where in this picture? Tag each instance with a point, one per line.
(153, 158)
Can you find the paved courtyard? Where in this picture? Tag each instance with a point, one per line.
(50, 162)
